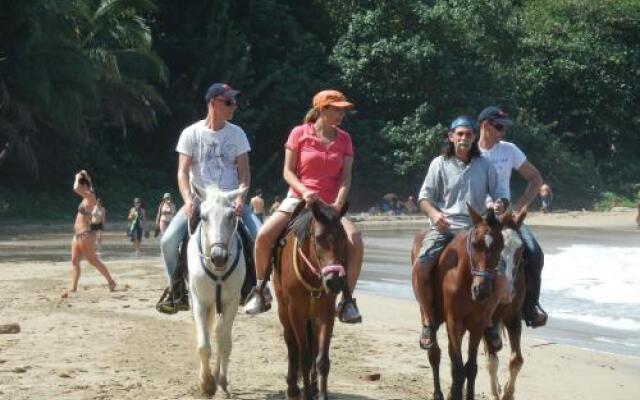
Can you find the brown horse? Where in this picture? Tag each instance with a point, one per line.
(466, 295)
(509, 313)
(309, 272)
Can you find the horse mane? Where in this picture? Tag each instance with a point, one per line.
(491, 219)
(212, 191)
(327, 214)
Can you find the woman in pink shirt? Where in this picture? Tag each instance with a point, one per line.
(317, 167)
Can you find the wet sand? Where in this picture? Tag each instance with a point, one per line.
(101, 345)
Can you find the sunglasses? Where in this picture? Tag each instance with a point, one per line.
(499, 127)
(228, 102)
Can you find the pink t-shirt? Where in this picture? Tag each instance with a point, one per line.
(319, 167)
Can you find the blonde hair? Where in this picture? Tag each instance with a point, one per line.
(312, 116)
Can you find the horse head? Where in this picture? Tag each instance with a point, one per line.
(218, 223)
(512, 252)
(329, 242)
(484, 244)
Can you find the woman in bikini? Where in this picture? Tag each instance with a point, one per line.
(166, 211)
(83, 243)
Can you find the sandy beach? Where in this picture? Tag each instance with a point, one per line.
(101, 345)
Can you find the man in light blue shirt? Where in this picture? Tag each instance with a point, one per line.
(457, 177)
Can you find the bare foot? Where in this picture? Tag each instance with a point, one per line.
(112, 286)
(67, 293)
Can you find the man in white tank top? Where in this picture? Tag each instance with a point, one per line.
(507, 157)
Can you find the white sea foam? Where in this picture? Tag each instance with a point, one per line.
(621, 324)
(595, 273)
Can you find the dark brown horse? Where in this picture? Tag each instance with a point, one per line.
(309, 273)
(466, 295)
(509, 312)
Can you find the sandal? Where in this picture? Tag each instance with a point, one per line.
(493, 339)
(427, 337)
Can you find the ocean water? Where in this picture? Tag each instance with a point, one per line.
(591, 291)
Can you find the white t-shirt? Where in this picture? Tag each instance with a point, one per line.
(506, 157)
(213, 153)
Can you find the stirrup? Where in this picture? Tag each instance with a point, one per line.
(427, 337)
(343, 310)
(257, 295)
(166, 305)
(539, 312)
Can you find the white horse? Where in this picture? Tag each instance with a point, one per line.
(216, 273)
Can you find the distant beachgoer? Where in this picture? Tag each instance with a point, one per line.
(83, 242)
(638, 217)
(546, 195)
(275, 205)
(257, 205)
(98, 221)
(410, 205)
(166, 211)
(137, 217)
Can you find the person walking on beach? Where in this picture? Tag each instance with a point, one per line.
(317, 167)
(257, 205)
(275, 205)
(546, 195)
(166, 211)
(212, 151)
(98, 221)
(83, 242)
(455, 179)
(137, 218)
(506, 157)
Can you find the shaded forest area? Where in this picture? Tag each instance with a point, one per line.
(107, 85)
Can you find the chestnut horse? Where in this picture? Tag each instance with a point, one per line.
(309, 272)
(464, 296)
(509, 312)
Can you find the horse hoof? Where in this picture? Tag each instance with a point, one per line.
(208, 386)
(438, 396)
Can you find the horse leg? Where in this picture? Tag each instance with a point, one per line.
(202, 315)
(223, 329)
(322, 362)
(293, 390)
(314, 343)
(492, 367)
(434, 360)
(455, 332)
(471, 367)
(299, 325)
(514, 328)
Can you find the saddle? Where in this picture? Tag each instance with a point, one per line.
(176, 297)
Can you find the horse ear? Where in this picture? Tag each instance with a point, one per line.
(200, 192)
(520, 216)
(235, 193)
(475, 217)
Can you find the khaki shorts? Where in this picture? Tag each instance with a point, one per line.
(289, 204)
(433, 244)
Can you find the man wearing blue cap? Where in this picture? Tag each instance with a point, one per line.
(210, 151)
(459, 176)
(507, 157)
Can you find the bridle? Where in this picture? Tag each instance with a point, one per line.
(474, 271)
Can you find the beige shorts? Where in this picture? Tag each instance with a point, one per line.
(289, 204)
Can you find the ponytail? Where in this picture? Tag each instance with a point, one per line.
(312, 116)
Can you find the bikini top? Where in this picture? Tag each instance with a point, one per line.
(83, 210)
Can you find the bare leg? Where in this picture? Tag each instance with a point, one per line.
(265, 241)
(90, 253)
(355, 253)
(76, 255)
(423, 290)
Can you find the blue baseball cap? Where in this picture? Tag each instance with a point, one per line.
(464, 121)
(220, 89)
(494, 114)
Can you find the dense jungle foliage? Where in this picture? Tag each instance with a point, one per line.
(107, 85)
